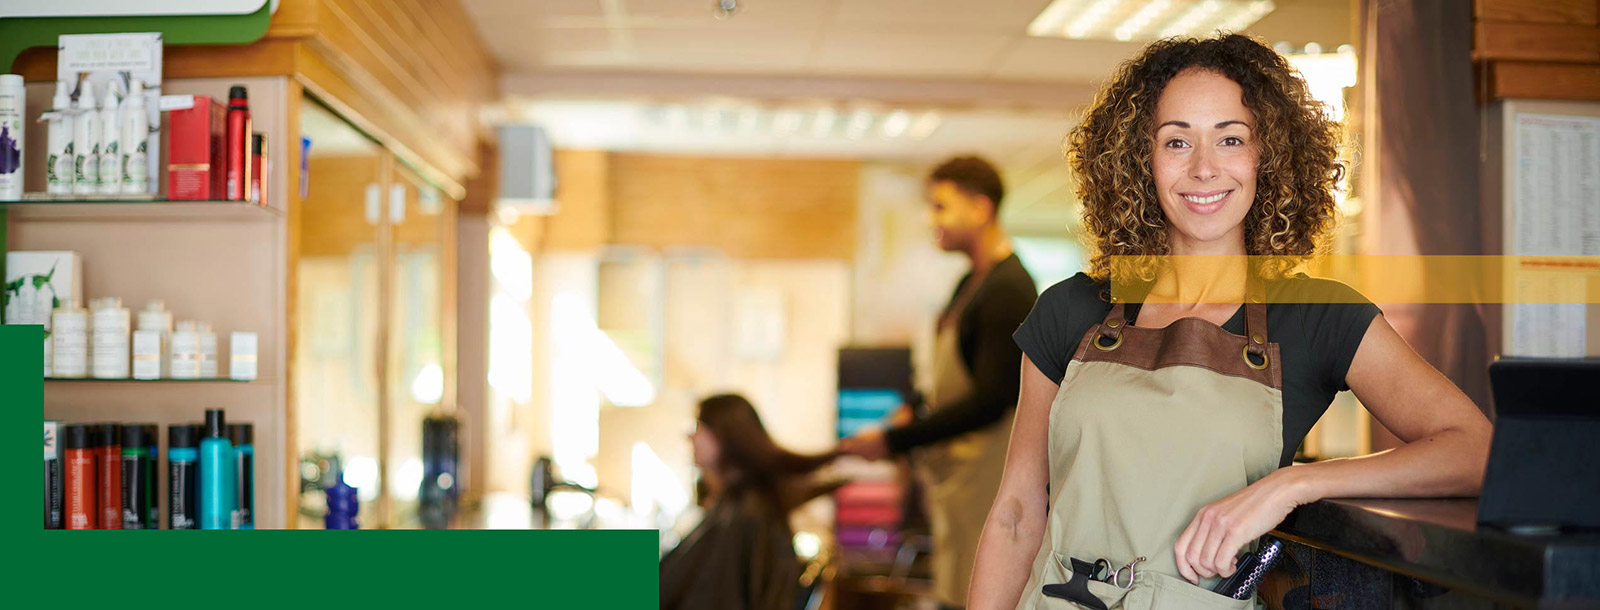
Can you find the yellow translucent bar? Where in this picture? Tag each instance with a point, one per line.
(1375, 278)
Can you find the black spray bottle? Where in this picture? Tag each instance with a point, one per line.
(138, 487)
(183, 478)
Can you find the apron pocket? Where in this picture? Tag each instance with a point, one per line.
(1173, 593)
(1064, 584)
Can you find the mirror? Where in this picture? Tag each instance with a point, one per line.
(336, 317)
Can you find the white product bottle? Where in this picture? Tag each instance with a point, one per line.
(58, 172)
(208, 351)
(70, 333)
(242, 356)
(150, 341)
(111, 339)
(135, 134)
(86, 143)
(13, 111)
(110, 134)
(186, 351)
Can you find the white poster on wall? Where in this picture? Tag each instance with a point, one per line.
(1556, 211)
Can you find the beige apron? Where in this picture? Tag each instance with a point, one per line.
(1149, 426)
(961, 475)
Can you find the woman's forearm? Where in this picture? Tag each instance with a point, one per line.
(1011, 537)
(1449, 463)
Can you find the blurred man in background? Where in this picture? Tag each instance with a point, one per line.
(961, 433)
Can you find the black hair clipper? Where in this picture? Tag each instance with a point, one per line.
(1252, 568)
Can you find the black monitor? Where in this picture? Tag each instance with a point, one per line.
(1544, 462)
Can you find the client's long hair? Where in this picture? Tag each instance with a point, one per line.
(749, 459)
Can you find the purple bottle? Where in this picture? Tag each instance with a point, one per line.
(342, 506)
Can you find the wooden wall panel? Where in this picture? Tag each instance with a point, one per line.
(583, 220)
(749, 208)
(333, 220)
(1585, 12)
(1538, 49)
(424, 56)
(1536, 42)
(1514, 79)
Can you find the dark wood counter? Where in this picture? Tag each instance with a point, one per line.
(1434, 555)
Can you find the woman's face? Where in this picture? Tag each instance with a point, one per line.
(1204, 162)
(706, 448)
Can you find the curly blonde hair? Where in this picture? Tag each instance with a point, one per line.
(1296, 174)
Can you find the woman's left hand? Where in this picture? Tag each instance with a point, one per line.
(1210, 546)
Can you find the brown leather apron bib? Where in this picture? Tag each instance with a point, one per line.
(1149, 426)
(961, 476)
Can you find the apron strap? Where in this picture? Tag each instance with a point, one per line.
(1255, 317)
(1109, 333)
(1110, 330)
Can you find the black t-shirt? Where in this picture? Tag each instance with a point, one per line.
(997, 307)
(1317, 323)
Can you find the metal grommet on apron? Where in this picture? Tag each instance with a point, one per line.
(1149, 426)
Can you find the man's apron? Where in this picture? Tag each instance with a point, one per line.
(1149, 426)
(961, 475)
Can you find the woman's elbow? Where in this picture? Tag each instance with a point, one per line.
(1011, 518)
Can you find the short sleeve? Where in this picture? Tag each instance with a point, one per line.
(1338, 318)
(1046, 335)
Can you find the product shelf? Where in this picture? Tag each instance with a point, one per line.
(145, 209)
(132, 380)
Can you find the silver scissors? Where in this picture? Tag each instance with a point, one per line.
(1103, 572)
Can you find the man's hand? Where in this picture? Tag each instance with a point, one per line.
(869, 444)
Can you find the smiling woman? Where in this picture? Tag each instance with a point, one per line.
(1254, 120)
(1156, 435)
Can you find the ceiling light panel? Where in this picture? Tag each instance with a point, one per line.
(1129, 20)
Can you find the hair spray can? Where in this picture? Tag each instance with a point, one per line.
(81, 508)
(110, 476)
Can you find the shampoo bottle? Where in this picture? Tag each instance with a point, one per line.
(13, 111)
(244, 449)
(58, 168)
(110, 339)
(110, 135)
(86, 143)
(135, 133)
(218, 491)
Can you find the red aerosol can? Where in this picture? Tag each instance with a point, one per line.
(237, 140)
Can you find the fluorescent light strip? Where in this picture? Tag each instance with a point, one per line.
(787, 122)
(860, 122)
(1133, 25)
(896, 123)
(1190, 19)
(1089, 18)
(1049, 21)
(1247, 17)
(924, 125)
(822, 123)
